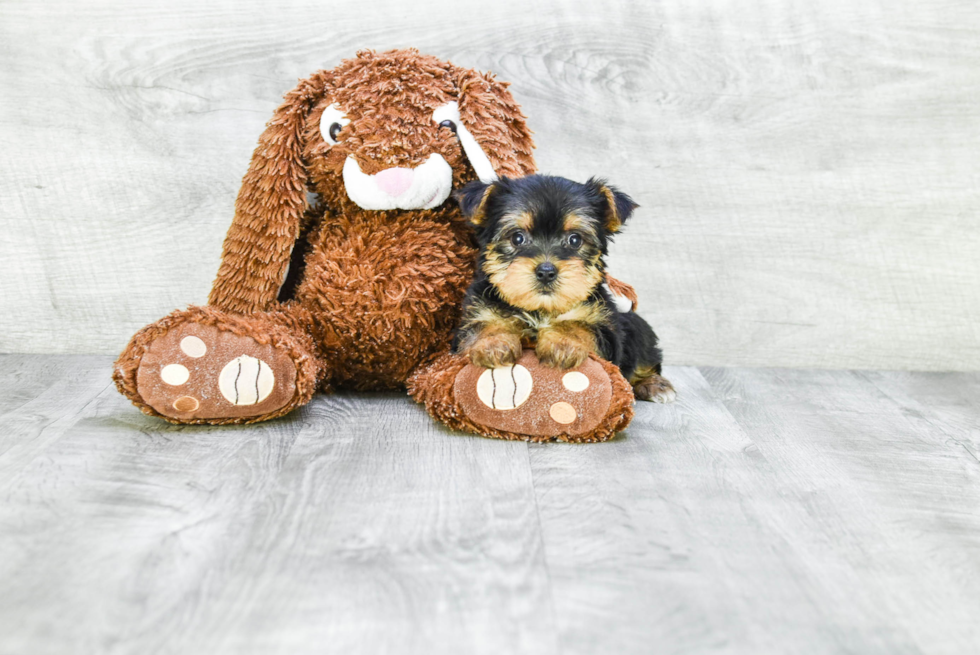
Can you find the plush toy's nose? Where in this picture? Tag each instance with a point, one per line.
(394, 181)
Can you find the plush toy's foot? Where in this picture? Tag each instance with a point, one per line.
(527, 401)
(202, 371)
(654, 388)
(205, 366)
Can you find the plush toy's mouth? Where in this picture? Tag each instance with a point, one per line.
(423, 187)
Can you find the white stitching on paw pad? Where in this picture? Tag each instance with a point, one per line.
(505, 387)
(246, 380)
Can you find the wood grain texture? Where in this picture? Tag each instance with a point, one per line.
(885, 506)
(355, 525)
(807, 171)
(767, 512)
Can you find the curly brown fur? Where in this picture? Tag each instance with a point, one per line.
(540, 271)
(432, 385)
(378, 292)
(382, 288)
(389, 99)
(287, 328)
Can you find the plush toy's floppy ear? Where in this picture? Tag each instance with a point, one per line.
(489, 113)
(270, 205)
(618, 206)
(472, 200)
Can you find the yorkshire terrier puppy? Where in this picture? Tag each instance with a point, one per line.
(540, 279)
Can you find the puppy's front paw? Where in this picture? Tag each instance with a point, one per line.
(561, 352)
(496, 350)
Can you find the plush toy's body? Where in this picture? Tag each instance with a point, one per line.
(383, 294)
(362, 288)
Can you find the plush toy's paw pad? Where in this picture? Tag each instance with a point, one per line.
(656, 389)
(532, 399)
(197, 371)
(504, 387)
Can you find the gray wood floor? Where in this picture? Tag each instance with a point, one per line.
(767, 511)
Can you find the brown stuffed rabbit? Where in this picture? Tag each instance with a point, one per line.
(361, 287)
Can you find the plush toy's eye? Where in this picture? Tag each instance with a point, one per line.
(331, 123)
(518, 239)
(447, 115)
(574, 241)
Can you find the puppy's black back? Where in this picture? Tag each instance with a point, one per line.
(639, 346)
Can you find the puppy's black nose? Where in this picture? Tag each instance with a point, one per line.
(546, 272)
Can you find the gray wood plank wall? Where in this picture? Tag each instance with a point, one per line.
(809, 171)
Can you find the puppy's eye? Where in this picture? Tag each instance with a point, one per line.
(331, 123)
(518, 239)
(450, 124)
(574, 241)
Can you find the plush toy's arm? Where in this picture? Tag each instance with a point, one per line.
(268, 211)
(622, 294)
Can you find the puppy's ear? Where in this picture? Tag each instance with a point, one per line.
(618, 206)
(472, 200)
